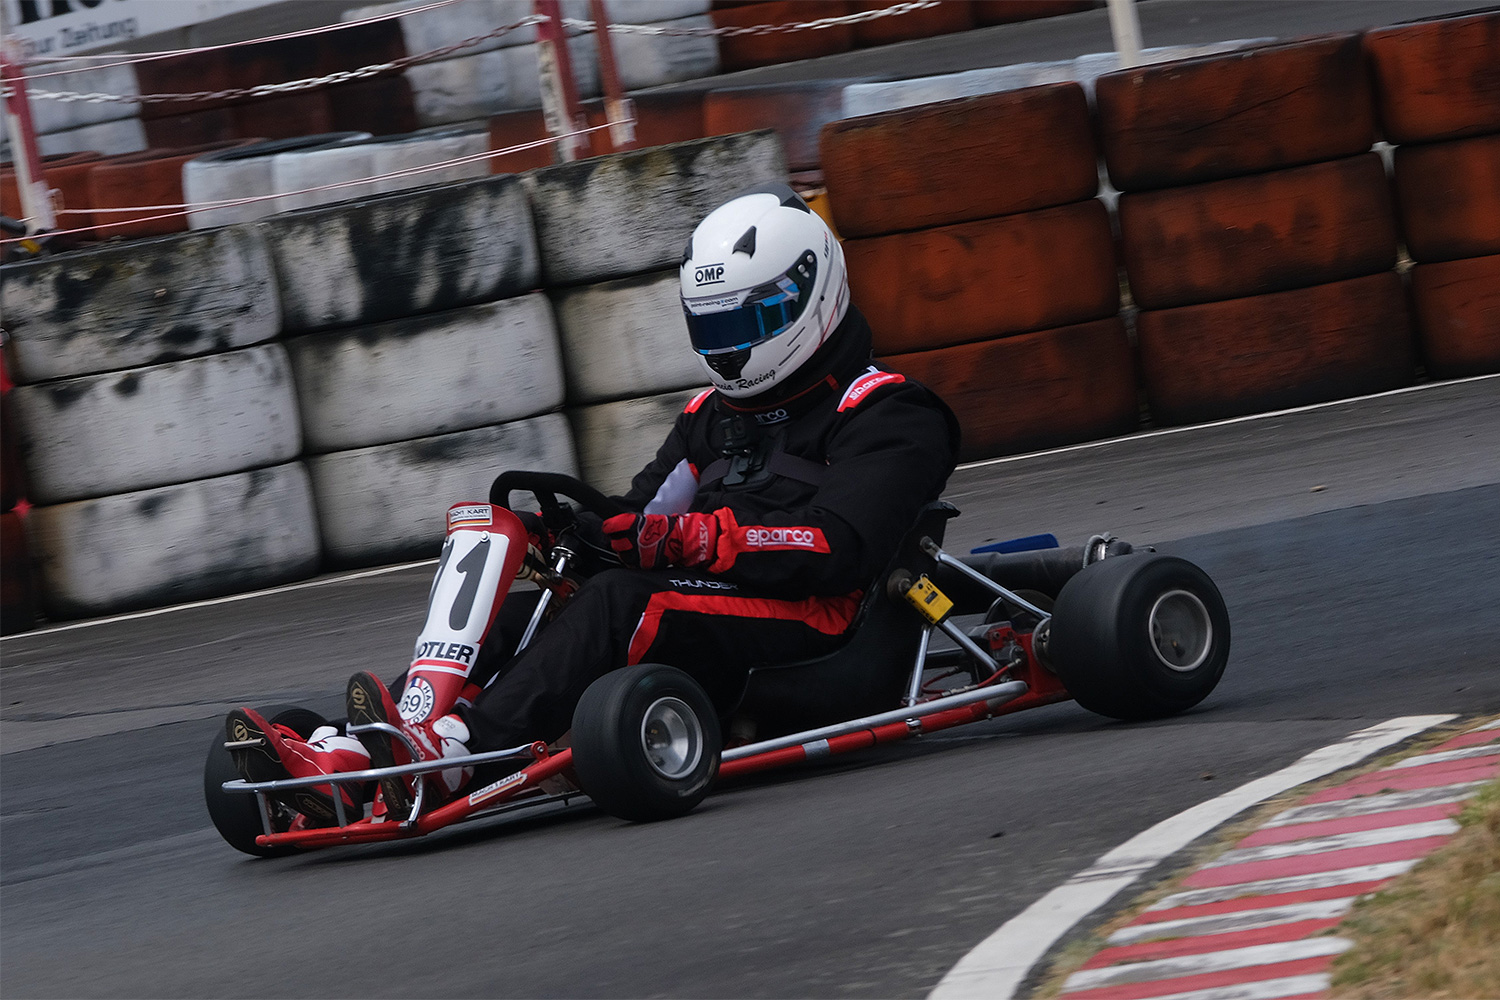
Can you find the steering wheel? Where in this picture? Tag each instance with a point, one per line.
(546, 486)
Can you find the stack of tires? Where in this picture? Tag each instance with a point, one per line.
(1438, 91)
(1257, 228)
(425, 360)
(157, 422)
(797, 111)
(985, 263)
(132, 187)
(65, 173)
(612, 231)
(381, 105)
(106, 127)
(259, 170)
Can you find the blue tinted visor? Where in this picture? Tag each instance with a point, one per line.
(764, 312)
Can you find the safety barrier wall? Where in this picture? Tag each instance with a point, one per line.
(242, 405)
(156, 417)
(1257, 228)
(1257, 232)
(1439, 95)
(988, 271)
(1293, 271)
(612, 231)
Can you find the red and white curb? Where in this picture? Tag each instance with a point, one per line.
(1250, 924)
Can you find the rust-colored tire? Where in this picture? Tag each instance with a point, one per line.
(948, 16)
(382, 106)
(150, 177)
(984, 279)
(1263, 233)
(68, 173)
(18, 601)
(187, 74)
(1267, 352)
(661, 118)
(1449, 194)
(1437, 79)
(1458, 315)
(747, 51)
(516, 128)
(1241, 112)
(954, 161)
(290, 116)
(195, 128)
(797, 111)
(1010, 11)
(1038, 390)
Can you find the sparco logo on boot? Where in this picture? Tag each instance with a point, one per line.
(800, 537)
(709, 274)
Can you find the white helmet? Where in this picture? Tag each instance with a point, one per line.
(763, 286)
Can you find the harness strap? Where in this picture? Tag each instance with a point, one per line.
(778, 463)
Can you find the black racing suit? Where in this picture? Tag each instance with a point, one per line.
(822, 481)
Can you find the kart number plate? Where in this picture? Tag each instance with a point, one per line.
(932, 603)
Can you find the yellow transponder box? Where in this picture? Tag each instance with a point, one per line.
(927, 599)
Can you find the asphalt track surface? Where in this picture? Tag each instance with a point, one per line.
(1354, 545)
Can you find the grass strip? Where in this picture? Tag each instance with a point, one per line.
(1435, 931)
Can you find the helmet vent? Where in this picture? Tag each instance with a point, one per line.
(687, 253)
(746, 244)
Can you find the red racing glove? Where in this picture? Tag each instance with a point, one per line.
(653, 541)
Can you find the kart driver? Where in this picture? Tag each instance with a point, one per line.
(779, 495)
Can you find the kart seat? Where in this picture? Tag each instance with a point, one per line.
(868, 674)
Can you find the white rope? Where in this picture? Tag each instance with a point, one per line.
(364, 72)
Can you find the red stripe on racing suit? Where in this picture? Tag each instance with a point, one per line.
(829, 615)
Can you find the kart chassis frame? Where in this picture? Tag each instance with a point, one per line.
(1020, 682)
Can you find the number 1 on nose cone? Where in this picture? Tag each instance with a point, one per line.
(483, 549)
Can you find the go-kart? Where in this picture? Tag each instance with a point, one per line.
(1129, 634)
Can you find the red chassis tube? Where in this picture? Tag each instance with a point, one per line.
(1043, 688)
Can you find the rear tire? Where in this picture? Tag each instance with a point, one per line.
(1139, 636)
(235, 814)
(646, 742)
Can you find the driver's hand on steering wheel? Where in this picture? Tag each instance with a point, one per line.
(539, 541)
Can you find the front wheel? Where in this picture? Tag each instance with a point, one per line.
(236, 815)
(1139, 636)
(646, 742)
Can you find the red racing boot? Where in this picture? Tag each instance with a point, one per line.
(367, 701)
(275, 752)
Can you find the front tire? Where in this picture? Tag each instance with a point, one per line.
(1139, 636)
(646, 742)
(236, 815)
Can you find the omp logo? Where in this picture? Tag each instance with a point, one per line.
(797, 537)
(709, 274)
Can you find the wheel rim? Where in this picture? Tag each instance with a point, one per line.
(671, 738)
(1182, 632)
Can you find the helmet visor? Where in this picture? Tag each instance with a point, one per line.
(720, 323)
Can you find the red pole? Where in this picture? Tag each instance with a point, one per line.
(560, 108)
(36, 197)
(618, 108)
